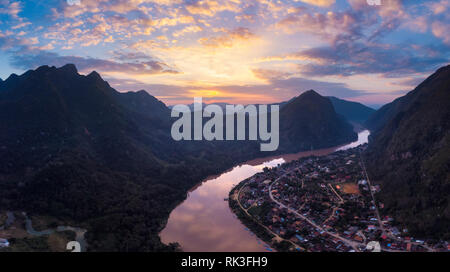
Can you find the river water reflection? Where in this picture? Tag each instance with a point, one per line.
(204, 222)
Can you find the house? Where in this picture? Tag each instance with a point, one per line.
(358, 238)
(4, 243)
(301, 239)
(408, 247)
(371, 227)
(362, 182)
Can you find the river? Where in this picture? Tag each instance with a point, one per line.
(205, 223)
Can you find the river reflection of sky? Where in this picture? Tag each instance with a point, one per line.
(204, 221)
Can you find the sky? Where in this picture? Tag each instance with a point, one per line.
(236, 51)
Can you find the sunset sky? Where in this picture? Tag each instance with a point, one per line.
(246, 51)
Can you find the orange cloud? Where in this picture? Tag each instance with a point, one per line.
(211, 7)
(268, 74)
(320, 3)
(227, 39)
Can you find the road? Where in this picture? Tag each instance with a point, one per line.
(377, 212)
(353, 244)
(79, 232)
(277, 237)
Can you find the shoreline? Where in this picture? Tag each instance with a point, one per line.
(284, 158)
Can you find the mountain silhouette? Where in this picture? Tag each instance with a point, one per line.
(409, 153)
(74, 148)
(310, 122)
(352, 111)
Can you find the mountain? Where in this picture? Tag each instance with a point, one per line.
(409, 154)
(75, 149)
(352, 111)
(310, 121)
(384, 114)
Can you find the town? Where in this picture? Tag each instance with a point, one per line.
(325, 203)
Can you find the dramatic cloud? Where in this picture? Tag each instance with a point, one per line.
(328, 25)
(236, 50)
(280, 87)
(358, 58)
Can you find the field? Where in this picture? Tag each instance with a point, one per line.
(350, 188)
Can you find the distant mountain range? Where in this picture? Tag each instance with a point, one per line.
(352, 111)
(74, 148)
(409, 154)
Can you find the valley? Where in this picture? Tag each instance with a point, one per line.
(303, 206)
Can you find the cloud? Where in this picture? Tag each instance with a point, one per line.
(10, 8)
(211, 7)
(280, 88)
(441, 30)
(270, 74)
(144, 67)
(327, 25)
(439, 7)
(350, 58)
(93, 6)
(256, 45)
(187, 29)
(228, 38)
(21, 25)
(11, 43)
(320, 3)
(410, 82)
(356, 40)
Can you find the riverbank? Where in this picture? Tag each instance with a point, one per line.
(271, 240)
(304, 206)
(205, 222)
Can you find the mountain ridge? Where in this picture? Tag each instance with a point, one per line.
(299, 133)
(76, 149)
(352, 111)
(409, 155)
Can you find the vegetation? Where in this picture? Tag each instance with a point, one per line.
(352, 111)
(35, 244)
(310, 122)
(75, 149)
(256, 228)
(409, 154)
